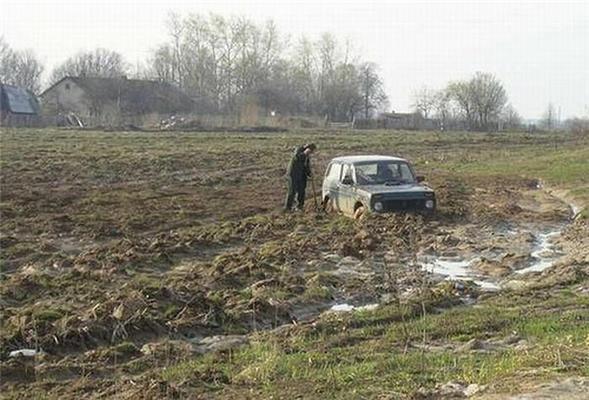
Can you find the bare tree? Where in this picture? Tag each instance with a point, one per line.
(229, 63)
(511, 118)
(20, 68)
(339, 81)
(175, 29)
(162, 64)
(424, 100)
(278, 92)
(100, 63)
(462, 95)
(577, 126)
(225, 32)
(304, 66)
(326, 49)
(443, 108)
(199, 62)
(371, 89)
(548, 121)
(343, 99)
(6, 55)
(480, 99)
(489, 98)
(29, 70)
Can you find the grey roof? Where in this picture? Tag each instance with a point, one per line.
(18, 100)
(366, 158)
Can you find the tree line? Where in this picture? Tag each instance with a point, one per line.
(224, 63)
(478, 103)
(21, 68)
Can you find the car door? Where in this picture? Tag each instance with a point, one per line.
(347, 191)
(331, 182)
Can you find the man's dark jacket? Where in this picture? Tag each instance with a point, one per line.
(299, 167)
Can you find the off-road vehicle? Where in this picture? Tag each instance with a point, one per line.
(355, 185)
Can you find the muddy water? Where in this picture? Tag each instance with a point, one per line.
(489, 257)
(344, 307)
(457, 270)
(539, 252)
(544, 254)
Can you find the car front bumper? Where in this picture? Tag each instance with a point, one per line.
(393, 205)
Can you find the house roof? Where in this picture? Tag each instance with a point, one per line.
(18, 100)
(136, 96)
(366, 158)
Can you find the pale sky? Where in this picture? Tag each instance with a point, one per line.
(539, 50)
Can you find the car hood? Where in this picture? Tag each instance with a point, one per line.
(406, 189)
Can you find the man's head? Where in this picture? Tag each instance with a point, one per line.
(309, 148)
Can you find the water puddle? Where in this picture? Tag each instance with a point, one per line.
(458, 270)
(544, 253)
(345, 307)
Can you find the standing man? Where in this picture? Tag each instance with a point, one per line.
(297, 173)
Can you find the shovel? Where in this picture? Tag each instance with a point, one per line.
(317, 206)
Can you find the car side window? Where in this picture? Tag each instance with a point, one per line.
(406, 173)
(334, 172)
(347, 171)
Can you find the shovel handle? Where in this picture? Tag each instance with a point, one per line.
(314, 192)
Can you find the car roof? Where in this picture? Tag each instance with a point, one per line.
(365, 158)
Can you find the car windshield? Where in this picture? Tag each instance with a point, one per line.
(383, 172)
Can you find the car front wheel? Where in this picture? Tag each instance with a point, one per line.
(359, 213)
(328, 206)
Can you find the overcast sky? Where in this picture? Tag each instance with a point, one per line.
(539, 50)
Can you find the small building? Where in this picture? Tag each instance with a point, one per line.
(18, 106)
(114, 100)
(395, 120)
(410, 121)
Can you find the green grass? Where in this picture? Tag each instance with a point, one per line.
(370, 359)
(560, 166)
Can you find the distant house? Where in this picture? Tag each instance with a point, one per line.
(395, 120)
(18, 106)
(113, 100)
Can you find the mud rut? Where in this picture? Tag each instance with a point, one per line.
(492, 257)
(486, 255)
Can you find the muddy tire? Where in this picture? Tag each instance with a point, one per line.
(359, 213)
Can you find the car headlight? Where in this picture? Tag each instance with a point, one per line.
(429, 204)
(378, 206)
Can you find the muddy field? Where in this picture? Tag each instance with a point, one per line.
(159, 265)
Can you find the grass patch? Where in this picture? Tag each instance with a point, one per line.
(369, 358)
